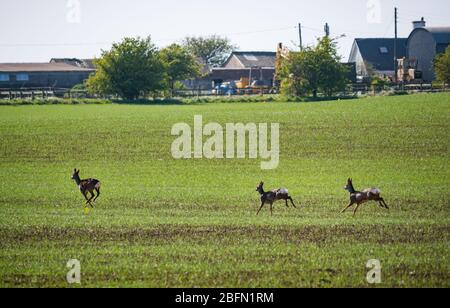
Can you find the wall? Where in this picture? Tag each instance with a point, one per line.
(422, 46)
(46, 80)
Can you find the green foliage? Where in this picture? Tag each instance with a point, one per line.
(313, 70)
(180, 64)
(379, 83)
(442, 66)
(212, 50)
(162, 222)
(131, 69)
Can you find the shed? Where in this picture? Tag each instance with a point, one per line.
(41, 75)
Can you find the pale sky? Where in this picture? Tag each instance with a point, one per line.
(38, 30)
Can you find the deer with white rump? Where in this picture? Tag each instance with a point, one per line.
(273, 196)
(87, 186)
(361, 197)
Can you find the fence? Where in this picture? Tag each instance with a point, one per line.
(352, 89)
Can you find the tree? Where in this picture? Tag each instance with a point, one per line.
(213, 50)
(131, 69)
(180, 64)
(442, 67)
(313, 70)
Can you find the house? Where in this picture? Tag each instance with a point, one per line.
(41, 75)
(376, 55)
(424, 44)
(252, 65)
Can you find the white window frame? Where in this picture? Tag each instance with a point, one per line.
(22, 77)
(4, 77)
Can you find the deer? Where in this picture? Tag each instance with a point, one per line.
(361, 197)
(87, 186)
(273, 196)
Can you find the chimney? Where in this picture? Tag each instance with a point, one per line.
(419, 24)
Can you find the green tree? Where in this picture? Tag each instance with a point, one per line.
(180, 64)
(131, 69)
(442, 67)
(213, 50)
(313, 70)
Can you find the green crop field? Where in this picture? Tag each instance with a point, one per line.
(162, 222)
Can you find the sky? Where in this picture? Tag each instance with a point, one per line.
(38, 30)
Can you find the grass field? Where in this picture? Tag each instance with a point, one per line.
(192, 223)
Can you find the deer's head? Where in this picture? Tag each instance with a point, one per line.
(349, 187)
(260, 188)
(76, 174)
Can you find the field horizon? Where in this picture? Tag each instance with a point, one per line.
(162, 222)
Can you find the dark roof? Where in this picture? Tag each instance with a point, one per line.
(370, 50)
(440, 34)
(255, 58)
(40, 67)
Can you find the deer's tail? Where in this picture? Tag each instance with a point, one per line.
(98, 185)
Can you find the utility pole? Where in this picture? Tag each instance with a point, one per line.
(300, 36)
(327, 30)
(395, 45)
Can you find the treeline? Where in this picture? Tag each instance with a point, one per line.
(135, 68)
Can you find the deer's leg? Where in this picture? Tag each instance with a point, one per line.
(90, 200)
(349, 206)
(262, 205)
(287, 205)
(292, 201)
(357, 208)
(85, 196)
(271, 209)
(384, 202)
(98, 194)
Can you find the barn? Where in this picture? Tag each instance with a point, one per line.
(424, 44)
(254, 65)
(376, 55)
(42, 75)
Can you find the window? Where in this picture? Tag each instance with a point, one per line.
(250, 57)
(4, 77)
(384, 50)
(22, 77)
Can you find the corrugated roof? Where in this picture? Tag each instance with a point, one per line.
(256, 58)
(40, 67)
(379, 52)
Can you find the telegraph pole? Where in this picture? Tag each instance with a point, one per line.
(395, 45)
(327, 30)
(300, 36)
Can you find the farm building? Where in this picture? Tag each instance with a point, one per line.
(41, 75)
(424, 44)
(83, 63)
(256, 65)
(376, 55)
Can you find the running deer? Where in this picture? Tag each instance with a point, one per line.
(87, 186)
(273, 196)
(361, 197)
